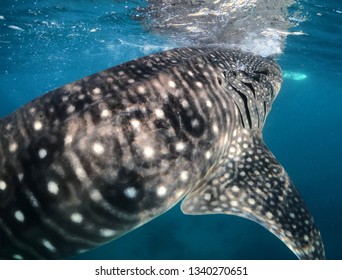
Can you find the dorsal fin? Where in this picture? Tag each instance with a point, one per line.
(249, 182)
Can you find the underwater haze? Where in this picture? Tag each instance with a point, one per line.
(46, 44)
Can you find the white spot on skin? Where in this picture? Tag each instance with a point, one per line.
(232, 150)
(98, 148)
(226, 176)
(235, 189)
(159, 113)
(172, 84)
(48, 245)
(37, 125)
(148, 152)
(251, 183)
(80, 172)
(180, 146)
(42, 153)
(20, 176)
(130, 192)
(76, 218)
(251, 201)
(32, 110)
(19, 216)
(184, 176)
(199, 84)
(195, 123)
(135, 123)
(105, 113)
(68, 139)
(131, 81)
(3, 185)
(215, 182)
(269, 215)
(215, 129)
(208, 103)
(53, 187)
(95, 195)
(306, 238)
(161, 191)
(96, 90)
(208, 155)
(141, 89)
(288, 233)
(105, 232)
(292, 215)
(71, 109)
(13, 147)
(223, 198)
(207, 196)
(185, 103)
(234, 203)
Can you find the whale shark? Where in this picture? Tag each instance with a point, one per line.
(94, 159)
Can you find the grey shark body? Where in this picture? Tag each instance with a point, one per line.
(92, 160)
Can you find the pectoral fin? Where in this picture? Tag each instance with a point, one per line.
(249, 182)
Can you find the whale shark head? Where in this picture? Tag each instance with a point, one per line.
(94, 159)
(253, 83)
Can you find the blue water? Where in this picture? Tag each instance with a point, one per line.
(45, 44)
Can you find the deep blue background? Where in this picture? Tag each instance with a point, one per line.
(62, 41)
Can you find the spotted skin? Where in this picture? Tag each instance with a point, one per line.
(94, 159)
